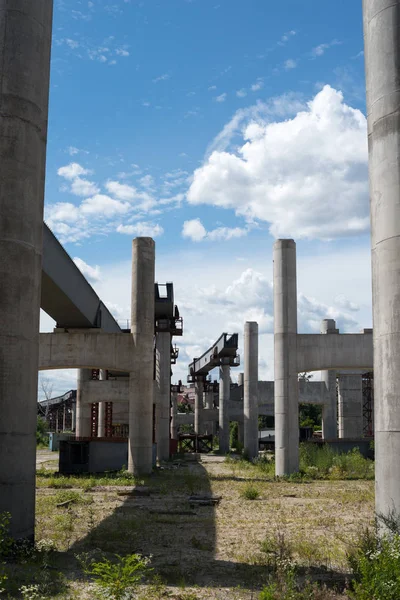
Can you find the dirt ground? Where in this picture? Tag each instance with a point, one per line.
(210, 552)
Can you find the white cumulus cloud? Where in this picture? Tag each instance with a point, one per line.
(141, 229)
(195, 231)
(91, 273)
(306, 176)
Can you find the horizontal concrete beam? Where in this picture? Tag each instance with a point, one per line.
(94, 350)
(107, 391)
(317, 352)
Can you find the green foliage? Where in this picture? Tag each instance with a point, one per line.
(6, 541)
(185, 407)
(250, 492)
(321, 462)
(233, 434)
(377, 570)
(310, 415)
(42, 438)
(117, 577)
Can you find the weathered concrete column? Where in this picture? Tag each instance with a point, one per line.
(350, 406)
(163, 390)
(101, 429)
(329, 410)
(209, 426)
(141, 383)
(83, 408)
(73, 416)
(285, 349)
(224, 397)
(240, 379)
(382, 61)
(198, 406)
(25, 38)
(174, 411)
(250, 392)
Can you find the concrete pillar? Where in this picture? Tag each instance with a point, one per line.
(209, 426)
(241, 379)
(163, 391)
(350, 406)
(329, 410)
(241, 432)
(224, 398)
(73, 416)
(83, 408)
(198, 406)
(174, 411)
(382, 61)
(250, 391)
(141, 383)
(25, 38)
(285, 349)
(101, 427)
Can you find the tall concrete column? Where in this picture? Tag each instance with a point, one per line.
(250, 391)
(73, 416)
(209, 426)
(101, 428)
(141, 383)
(163, 390)
(83, 408)
(198, 406)
(224, 397)
(329, 410)
(350, 406)
(382, 61)
(285, 350)
(174, 412)
(240, 379)
(25, 38)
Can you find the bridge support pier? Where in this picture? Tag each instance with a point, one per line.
(102, 409)
(285, 349)
(163, 389)
(198, 405)
(141, 383)
(329, 410)
(250, 392)
(209, 426)
(25, 39)
(224, 397)
(350, 406)
(83, 407)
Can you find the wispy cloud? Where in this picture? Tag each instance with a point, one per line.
(290, 64)
(321, 49)
(163, 77)
(286, 37)
(221, 97)
(241, 93)
(258, 85)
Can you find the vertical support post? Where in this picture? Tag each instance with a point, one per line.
(329, 410)
(198, 405)
(83, 409)
(240, 379)
(350, 406)
(73, 415)
(382, 61)
(141, 383)
(94, 419)
(25, 39)
(102, 408)
(163, 389)
(250, 392)
(174, 411)
(209, 426)
(285, 349)
(224, 398)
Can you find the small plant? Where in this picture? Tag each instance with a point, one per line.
(250, 492)
(278, 550)
(116, 578)
(6, 541)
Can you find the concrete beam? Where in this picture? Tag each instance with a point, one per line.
(317, 352)
(89, 350)
(25, 40)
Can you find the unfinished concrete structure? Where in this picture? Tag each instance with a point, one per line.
(25, 39)
(222, 354)
(250, 395)
(382, 61)
(297, 353)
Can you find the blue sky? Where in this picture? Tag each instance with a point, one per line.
(215, 126)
